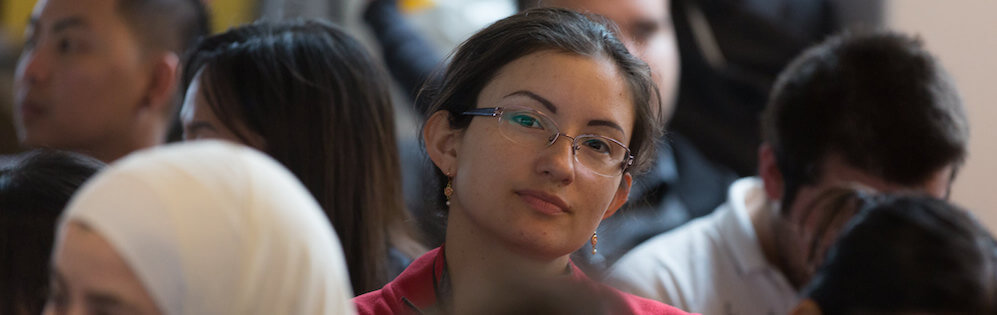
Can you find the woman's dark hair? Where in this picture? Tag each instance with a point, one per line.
(477, 60)
(322, 106)
(33, 193)
(912, 254)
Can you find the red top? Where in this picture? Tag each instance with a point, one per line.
(413, 290)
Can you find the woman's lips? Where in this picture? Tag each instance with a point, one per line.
(543, 202)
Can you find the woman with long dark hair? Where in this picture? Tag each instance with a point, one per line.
(310, 96)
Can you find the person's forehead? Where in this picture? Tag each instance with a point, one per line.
(92, 12)
(836, 172)
(581, 86)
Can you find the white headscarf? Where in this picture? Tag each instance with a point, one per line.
(215, 228)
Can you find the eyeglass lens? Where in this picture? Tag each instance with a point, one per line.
(597, 153)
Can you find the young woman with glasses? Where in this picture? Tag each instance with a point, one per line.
(536, 129)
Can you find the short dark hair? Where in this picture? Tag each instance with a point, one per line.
(167, 25)
(172, 25)
(879, 100)
(476, 61)
(322, 106)
(33, 193)
(909, 254)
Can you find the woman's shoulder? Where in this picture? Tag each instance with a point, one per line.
(639, 305)
(413, 288)
(374, 302)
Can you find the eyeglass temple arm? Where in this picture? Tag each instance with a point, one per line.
(628, 162)
(489, 111)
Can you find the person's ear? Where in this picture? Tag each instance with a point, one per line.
(442, 141)
(806, 307)
(620, 198)
(161, 90)
(768, 170)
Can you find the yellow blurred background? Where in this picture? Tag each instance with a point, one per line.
(224, 14)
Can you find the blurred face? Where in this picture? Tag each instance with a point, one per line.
(80, 76)
(540, 200)
(809, 230)
(200, 122)
(646, 27)
(89, 277)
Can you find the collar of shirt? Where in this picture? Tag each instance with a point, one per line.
(737, 228)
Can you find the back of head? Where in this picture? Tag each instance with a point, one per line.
(321, 105)
(909, 254)
(878, 100)
(215, 228)
(33, 193)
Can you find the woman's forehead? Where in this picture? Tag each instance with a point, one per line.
(585, 87)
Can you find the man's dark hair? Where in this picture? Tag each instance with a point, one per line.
(913, 254)
(33, 193)
(878, 100)
(173, 25)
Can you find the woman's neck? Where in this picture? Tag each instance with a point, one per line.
(477, 259)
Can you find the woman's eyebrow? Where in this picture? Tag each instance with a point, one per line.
(103, 299)
(553, 109)
(600, 122)
(546, 103)
(111, 302)
(69, 23)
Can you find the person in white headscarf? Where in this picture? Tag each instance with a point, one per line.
(197, 228)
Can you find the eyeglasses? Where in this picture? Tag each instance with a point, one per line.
(603, 155)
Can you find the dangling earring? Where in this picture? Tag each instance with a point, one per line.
(448, 190)
(595, 240)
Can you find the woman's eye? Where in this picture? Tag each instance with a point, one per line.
(65, 45)
(527, 121)
(597, 145)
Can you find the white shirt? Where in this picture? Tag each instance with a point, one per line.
(711, 265)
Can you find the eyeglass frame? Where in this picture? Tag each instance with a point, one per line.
(496, 112)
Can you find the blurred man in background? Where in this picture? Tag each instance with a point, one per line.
(100, 77)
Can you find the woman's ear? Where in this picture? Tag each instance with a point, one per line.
(620, 198)
(441, 140)
(768, 170)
